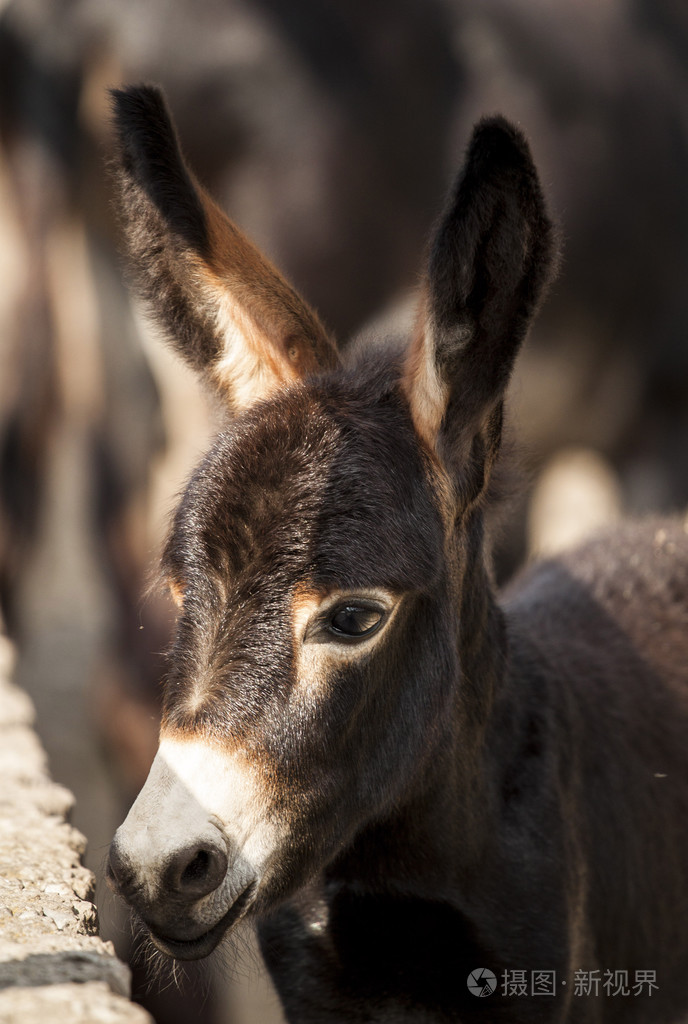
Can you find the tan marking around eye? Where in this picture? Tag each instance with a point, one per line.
(305, 603)
(316, 663)
(310, 677)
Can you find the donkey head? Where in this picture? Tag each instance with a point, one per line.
(319, 552)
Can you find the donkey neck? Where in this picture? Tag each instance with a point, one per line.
(481, 633)
(441, 827)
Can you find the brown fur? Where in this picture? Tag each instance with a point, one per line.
(467, 782)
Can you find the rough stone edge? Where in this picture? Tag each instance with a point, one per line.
(53, 964)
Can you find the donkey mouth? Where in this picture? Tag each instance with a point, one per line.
(203, 945)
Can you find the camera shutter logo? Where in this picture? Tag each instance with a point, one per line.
(481, 982)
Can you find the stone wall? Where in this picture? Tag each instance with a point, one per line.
(53, 965)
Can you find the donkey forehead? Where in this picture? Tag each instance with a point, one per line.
(327, 483)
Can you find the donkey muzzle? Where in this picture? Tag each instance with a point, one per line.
(175, 866)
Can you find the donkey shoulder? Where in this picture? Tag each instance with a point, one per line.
(599, 637)
(629, 582)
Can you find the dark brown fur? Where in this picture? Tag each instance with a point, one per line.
(496, 784)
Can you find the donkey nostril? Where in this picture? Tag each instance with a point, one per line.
(197, 870)
(118, 873)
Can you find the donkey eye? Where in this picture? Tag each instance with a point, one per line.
(344, 618)
(355, 621)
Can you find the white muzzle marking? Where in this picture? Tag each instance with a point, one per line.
(195, 787)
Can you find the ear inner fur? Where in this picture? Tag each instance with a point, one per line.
(490, 261)
(226, 309)
(426, 392)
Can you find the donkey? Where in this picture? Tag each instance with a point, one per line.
(438, 805)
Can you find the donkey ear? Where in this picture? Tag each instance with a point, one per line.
(490, 260)
(226, 310)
